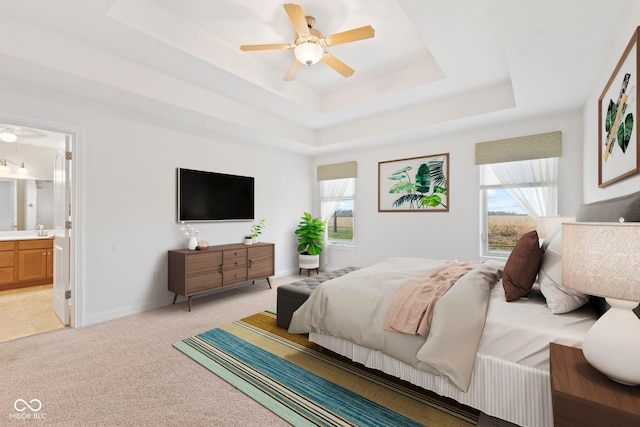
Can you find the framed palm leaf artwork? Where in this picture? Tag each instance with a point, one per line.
(416, 184)
(618, 148)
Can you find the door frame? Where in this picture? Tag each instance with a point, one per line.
(76, 249)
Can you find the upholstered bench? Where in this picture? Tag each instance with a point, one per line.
(293, 295)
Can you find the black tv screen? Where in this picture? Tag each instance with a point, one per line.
(212, 196)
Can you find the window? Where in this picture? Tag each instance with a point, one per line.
(504, 222)
(337, 191)
(513, 196)
(518, 184)
(340, 224)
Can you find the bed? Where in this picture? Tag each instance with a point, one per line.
(502, 370)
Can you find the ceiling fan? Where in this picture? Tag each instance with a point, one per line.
(11, 133)
(310, 45)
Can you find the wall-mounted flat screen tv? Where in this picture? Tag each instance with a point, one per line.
(211, 196)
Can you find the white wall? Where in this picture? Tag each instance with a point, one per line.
(128, 200)
(590, 184)
(454, 234)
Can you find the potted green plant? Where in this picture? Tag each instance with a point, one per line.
(256, 229)
(310, 234)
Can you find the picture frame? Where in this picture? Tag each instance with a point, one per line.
(415, 184)
(618, 105)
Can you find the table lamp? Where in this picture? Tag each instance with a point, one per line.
(603, 259)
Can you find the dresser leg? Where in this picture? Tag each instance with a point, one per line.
(189, 303)
(175, 296)
(269, 282)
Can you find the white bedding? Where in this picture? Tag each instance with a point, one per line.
(355, 305)
(510, 377)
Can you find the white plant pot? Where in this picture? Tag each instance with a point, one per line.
(248, 241)
(308, 261)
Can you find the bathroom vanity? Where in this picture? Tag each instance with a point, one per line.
(25, 261)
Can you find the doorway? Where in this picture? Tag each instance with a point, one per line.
(55, 141)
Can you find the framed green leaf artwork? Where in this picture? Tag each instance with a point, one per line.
(417, 184)
(618, 106)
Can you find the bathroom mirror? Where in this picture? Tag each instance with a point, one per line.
(25, 203)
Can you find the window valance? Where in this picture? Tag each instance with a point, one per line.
(541, 146)
(337, 171)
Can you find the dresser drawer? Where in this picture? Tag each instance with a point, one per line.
(234, 258)
(234, 275)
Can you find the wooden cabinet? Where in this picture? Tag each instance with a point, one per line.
(7, 264)
(582, 396)
(25, 263)
(205, 270)
(260, 261)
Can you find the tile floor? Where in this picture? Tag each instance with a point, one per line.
(27, 311)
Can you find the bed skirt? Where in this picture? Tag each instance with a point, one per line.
(506, 390)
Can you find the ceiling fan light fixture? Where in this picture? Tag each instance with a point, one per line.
(4, 168)
(8, 135)
(308, 53)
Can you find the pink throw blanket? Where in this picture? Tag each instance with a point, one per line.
(412, 307)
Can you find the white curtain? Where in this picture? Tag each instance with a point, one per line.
(332, 191)
(532, 184)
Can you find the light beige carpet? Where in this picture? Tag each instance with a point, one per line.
(126, 373)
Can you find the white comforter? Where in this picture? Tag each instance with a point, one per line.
(354, 306)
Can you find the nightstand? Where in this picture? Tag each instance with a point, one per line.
(582, 396)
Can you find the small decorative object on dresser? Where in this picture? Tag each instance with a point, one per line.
(256, 230)
(192, 233)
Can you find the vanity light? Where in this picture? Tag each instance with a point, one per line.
(20, 173)
(4, 168)
(8, 135)
(22, 170)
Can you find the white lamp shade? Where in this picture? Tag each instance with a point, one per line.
(308, 53)
(602, 259)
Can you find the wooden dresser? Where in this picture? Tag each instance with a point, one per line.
(199, 271)
(27, 262)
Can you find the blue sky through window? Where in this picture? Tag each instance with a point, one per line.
(498, 200)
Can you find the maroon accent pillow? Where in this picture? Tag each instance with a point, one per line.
(522, 267)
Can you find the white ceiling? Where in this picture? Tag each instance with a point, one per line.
(433, 66)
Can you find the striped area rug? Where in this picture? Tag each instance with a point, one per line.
(291, 376)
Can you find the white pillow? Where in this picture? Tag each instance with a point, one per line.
(559, 298)
(547, 240)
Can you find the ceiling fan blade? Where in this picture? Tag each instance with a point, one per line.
(337, 65)
(293, 69)
(297, 19)
(278, 46)
(356, 34)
